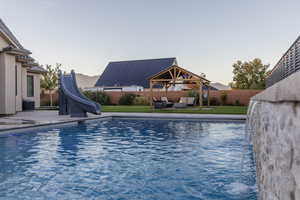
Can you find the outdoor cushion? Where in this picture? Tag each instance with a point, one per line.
(187, 100)
(164, 99)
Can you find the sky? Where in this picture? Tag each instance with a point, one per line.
(206, 36)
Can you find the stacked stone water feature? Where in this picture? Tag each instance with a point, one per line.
(274, 125)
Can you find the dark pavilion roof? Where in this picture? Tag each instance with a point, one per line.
(134, 72)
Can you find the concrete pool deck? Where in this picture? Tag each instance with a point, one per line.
(24, 120)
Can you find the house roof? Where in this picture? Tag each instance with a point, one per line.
(37, 69)
(134, 72)
(15, 48)
(6, 32)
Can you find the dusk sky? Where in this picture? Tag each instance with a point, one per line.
(206, 36)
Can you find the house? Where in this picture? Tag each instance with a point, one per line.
(133, 75)
(19, 74)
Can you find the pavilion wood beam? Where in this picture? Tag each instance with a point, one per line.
(174, 73)
(178, 74)
(171, 74)
(200, 93)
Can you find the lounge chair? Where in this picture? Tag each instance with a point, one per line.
(158, 104)
(169, 103)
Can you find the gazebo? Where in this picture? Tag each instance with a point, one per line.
(177, 75)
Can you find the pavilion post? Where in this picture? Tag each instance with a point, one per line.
(166, 85)
(200, 93)
(208, 95)
(151, 93)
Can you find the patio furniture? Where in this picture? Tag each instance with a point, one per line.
(158, 104)
(190, 101)
(28, 105)
(168, 103)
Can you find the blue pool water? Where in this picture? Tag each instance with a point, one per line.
(128, 159)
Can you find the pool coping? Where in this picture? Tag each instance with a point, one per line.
(119, 115)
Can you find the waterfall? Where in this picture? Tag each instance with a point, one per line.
(250, 112)
(238, 187)
(248, 134)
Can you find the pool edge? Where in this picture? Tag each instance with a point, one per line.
(137, 116)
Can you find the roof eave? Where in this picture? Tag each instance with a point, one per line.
(38, 70)
(16, 51)
(200, 77)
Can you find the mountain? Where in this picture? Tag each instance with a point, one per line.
(85, 81)
(220, 86)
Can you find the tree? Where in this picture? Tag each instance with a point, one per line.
(49, 80)
(249, 75)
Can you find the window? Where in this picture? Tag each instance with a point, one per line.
(16, 80)
(30, 86)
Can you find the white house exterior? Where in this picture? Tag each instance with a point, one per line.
(19, 74)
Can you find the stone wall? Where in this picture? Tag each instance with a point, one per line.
(274, 123)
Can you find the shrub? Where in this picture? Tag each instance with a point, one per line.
(127, 99)
(140, 100)
(237, 102)
(214, 101)
(194, 93)
(99, 97)
(89, 94)
(223, 98)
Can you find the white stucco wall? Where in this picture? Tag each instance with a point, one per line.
(19, 88)
(2, 84)
(8, 96)
(10, 62)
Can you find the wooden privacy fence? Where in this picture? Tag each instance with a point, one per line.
(242, 96)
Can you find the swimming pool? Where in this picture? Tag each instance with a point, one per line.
(128, 159)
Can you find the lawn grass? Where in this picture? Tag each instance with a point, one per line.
(191, 110)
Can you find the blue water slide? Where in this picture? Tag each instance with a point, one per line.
(71, 100)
